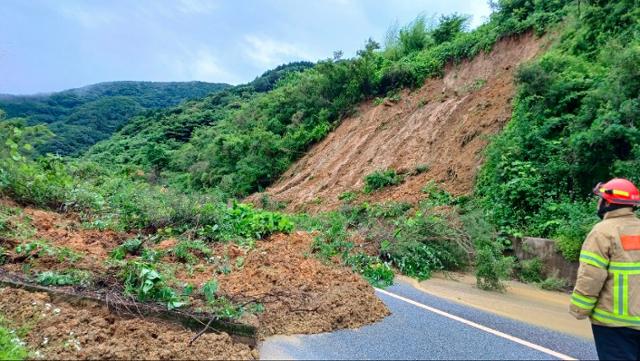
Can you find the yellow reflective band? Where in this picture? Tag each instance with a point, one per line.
(617, 293)
(608, 317)
(584, 302)
(585, 299)
(625, 267)
(625, 295)
(620, 193)
(577, 303)
(593, 259)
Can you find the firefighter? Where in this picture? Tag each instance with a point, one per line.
(608, 284)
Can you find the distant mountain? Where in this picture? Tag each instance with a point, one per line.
(81, 117)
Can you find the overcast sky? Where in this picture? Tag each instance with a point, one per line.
(50, 45)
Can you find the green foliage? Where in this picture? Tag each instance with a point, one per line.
(553, 284)
(131, 246)
(426, 242)
(220, 305)
(191, 251)
(64, 278)
(81, 117)
(574, 124)
(11, 347)
(380, 179)
(418, 242)
(492, 267)
(143, 281)
(530, 271)
(42, 248)
(436, 195)
(15, 225)
(348, 197)
(242, 139)
(377, 273)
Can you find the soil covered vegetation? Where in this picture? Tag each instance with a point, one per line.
(396, 178)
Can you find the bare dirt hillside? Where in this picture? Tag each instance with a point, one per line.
(444, 125)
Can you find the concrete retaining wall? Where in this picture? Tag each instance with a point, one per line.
(545, 249)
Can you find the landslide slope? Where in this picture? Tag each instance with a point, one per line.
(444, 125)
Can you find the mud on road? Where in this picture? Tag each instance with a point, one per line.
(300, 294)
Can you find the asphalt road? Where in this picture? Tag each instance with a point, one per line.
(426, 327)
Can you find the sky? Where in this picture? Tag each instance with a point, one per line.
(52, 45)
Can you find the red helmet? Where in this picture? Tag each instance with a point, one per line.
(618, 191)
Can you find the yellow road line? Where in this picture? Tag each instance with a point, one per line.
(479, 326)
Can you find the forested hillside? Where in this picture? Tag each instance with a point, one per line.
(256, 137)
(81, 117)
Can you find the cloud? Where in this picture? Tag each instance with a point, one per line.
(200, 64)
(196, 6)
(269, 52)
(89, 17)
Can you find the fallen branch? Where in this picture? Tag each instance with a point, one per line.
(197, 335)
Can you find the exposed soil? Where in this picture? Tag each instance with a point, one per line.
(300, 294)
(444, 125)
(311, 297)
(63, 331)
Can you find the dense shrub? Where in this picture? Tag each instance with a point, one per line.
(380, 179)
(574, 124)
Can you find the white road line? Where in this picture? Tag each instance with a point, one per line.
(480, 327)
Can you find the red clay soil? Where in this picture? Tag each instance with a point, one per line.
(308, 296)
(65, 231)
(444, 125)
(63, 331)
(300, 294)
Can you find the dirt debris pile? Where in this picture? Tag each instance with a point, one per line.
(308, 296)
(299, 293)
(63, 331)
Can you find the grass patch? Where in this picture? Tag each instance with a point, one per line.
(64, 278)
(380, 179)
(11, 346)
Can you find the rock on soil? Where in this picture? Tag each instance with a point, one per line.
(307, 296)
(63, 331)
(444, 125)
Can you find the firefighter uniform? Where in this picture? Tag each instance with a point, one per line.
(608, 285)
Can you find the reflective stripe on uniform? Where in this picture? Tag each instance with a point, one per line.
(593, 259)
(584, 302)
(626, 267)
(608, 317)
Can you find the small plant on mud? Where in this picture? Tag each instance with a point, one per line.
(421, 168)
(130, 246)
(380, 179)
(436, 195)
(42, 248)
(553, 284)
(143, 281)
(348, 197)
(185, 251)
(220, 305)
(64, 278)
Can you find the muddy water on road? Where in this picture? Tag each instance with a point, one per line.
(520, 302)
